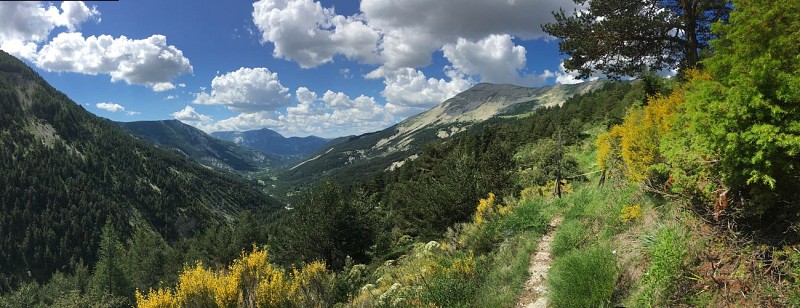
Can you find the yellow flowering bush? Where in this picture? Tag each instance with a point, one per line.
(162, 298)
(250, 281)
(488, 209)
(630, 213)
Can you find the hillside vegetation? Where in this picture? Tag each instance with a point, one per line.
(675, 192)
(65, 174)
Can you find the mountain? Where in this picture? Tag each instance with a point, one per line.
(201, 147)
(65, 172)
(349, 157)
(271, 142)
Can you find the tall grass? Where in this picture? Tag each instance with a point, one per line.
(583, 278)
(571, 235)
(667, 249)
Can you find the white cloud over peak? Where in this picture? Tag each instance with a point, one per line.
(23, 25)
(248, 90)
(189, 115)
(408, 91)
(305, 32)
(495, 59)
(413, 29)
(150, 62)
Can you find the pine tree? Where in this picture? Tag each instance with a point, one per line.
(109, 275)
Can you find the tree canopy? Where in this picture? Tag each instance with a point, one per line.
(624, 38)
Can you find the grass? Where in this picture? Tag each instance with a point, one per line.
(508, 271)
(571, 235)
(583, 278)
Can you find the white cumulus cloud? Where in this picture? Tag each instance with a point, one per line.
(305, 32)
(110, 107)
(114, 108)
(408, 91)
(495, 59)
(331, 115)
(150, 62)
(189, 115)
(246, 90)
(23, 25)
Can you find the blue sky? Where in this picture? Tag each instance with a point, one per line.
(328, 68)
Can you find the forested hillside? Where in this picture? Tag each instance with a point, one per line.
(65, 173)
(201, 147)
(271, 142)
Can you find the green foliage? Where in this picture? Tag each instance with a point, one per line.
(64, 171)
(667, 251)
(148, 259)
(624, 38)
(583, 278)
(110, 275)
(506, 271)
(539, 163)
(571, 235)
(743, 122)
(329, 224)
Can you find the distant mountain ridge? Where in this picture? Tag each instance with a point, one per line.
(271, 142)
(202, 147)
(389, 148)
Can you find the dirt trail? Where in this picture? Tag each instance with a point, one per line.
(535, 294)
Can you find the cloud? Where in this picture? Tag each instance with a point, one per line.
(23, 25)
(163, 86)
(150, 62)
(114, 108)
(331, 115)
(305, 32)
(408, 91)
(188, 114)
(394, 33)
(171, 97)
(495, 59)
(413, 29)
(564, 77)
(246, 90)
(110, 107)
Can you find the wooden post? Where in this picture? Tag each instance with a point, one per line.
(558, 173)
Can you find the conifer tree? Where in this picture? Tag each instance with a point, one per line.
(109, 275)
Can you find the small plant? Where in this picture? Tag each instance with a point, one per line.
(630, 213)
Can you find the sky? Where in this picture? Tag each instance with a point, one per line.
(300, 67)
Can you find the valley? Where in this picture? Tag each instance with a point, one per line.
(657, 166)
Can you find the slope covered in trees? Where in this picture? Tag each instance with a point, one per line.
(65, 173)
(201, 147)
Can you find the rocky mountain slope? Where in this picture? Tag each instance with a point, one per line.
(389, 148)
